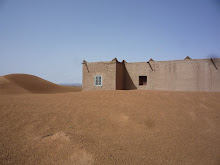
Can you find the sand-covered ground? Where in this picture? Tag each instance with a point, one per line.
(110, 127)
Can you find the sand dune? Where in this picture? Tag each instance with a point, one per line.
(9, 87)
(110, 127)
(24, 83)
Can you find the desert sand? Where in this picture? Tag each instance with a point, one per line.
(43, 127)
(24, 84)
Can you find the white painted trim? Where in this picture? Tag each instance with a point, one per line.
(95, 81)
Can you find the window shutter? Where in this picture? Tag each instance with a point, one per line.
(98, 80)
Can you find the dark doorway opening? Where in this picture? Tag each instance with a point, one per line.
(142, 80)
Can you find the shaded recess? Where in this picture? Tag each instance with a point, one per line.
(123, 78)
(129, 84)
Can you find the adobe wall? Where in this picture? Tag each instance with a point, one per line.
(120, 68)
(132, 73)
(105, 69)
(182, 75)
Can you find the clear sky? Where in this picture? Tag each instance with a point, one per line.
(50, 38)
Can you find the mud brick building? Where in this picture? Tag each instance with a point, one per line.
(177, 75)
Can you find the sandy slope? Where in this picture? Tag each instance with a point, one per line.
(24, 83)
(9, 87)
(110, 127)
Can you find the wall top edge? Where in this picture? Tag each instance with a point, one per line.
(186, 60)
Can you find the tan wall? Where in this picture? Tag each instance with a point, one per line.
(183, 75)
(120, 76)
(132, 73)
(105, 69)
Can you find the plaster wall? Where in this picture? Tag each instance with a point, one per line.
(120, 77)
(182, 75)
(132, 73)
(105, 69)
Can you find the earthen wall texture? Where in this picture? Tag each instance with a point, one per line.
(120, 76)
(182, 75)
(133, 71)
(105, 69)
(179, 75)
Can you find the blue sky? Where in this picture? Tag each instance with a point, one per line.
(50, 38)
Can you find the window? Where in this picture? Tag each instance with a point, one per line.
(142, 80)
(98, 80)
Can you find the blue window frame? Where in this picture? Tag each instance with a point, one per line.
(98, 80)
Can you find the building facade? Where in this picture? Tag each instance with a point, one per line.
(177, 75)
